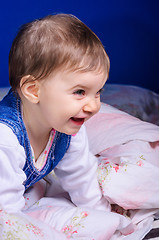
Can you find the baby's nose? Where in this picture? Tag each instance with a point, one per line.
(92, 106)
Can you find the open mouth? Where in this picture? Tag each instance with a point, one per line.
(77, 121)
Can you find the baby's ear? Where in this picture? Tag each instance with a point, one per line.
(30, 88)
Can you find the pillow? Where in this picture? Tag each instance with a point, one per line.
(111, 127)
(139, 102)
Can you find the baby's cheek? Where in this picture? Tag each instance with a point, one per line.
(98, 107)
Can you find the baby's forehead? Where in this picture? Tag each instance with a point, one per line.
(83, 71)
(73, 72)
(84, 66)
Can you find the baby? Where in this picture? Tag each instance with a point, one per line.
(57, 70)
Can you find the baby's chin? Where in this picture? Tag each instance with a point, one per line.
(72, 132)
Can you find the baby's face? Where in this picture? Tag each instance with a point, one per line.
(68, 99)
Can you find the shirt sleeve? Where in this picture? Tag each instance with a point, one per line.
(12, 160)
(77, 174)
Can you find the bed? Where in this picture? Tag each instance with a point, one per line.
(136, 101)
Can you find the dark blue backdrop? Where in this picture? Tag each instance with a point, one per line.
(128, 29)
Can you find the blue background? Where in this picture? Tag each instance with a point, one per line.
(128, 29)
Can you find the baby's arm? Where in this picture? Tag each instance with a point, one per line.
(12, 159)
(77, 174)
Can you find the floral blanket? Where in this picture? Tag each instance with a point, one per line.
(127, 151)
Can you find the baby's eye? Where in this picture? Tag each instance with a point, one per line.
(80, 92)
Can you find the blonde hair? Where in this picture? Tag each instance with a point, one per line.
(52, 43)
